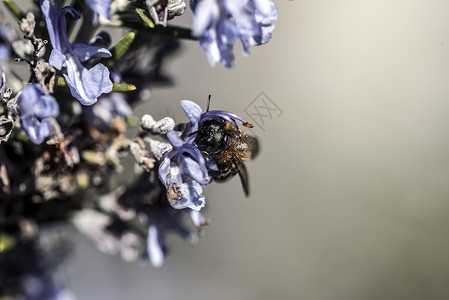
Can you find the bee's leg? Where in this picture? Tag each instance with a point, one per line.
(243, 174)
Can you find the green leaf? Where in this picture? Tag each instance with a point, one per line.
(22, 136)
(116, 88)
(145, 17)
(6, 242)
(60, 81)
(15, 9)
(119, 49)
(122, 87)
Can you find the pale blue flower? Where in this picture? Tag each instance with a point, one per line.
(86, 85)
(2, 83)
(165, 220)
(100, 7)
(7, 37)
(106, 110)
(219, 23)
(35, 106)
(183, 172)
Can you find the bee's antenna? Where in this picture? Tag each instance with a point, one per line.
(208, 103)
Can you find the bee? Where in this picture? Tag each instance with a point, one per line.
(219, 140)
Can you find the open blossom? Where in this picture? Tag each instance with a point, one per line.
(35, 106)
(183, 172)
(219, 23)
(86, 85)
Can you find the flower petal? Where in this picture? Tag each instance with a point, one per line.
(37, 131)
(50, 18)
(154, 247)
(219, 23)
(48, 107)
(164, 171)
(192, 110)
(207, 13)
(197, 171)
(190, 196)
(84, 51)
(174, 139)
(228, 116)
(57, 59)
(101, 7)
(33, 101)
(87, 85)
(34, 106)
(197, 219)
(198, 158)
(120, 104)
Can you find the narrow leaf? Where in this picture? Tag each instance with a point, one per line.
(144, 16)
(116, 88)
(119, 49)
(15, 9)
(122, 87)
(6, 242)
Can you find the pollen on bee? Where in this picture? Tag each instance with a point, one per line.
(230, 127)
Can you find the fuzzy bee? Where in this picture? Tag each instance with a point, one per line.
(222, 142)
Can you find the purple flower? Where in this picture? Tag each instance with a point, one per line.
(219, 23)
(2, 82)
(36, 287)
(156, 245)
(35, 106)
(6, 39)
(165, 220)
(100, 7)
(106, 110)
(145, 203)
(85, 84)
(183, 172)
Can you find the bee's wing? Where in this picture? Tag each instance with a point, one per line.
(243, 174)
(254, 147)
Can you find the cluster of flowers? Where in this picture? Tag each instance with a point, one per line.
(63, 142)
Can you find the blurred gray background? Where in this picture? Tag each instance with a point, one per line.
(350, 193)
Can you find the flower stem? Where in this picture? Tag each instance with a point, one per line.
(171, 31)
